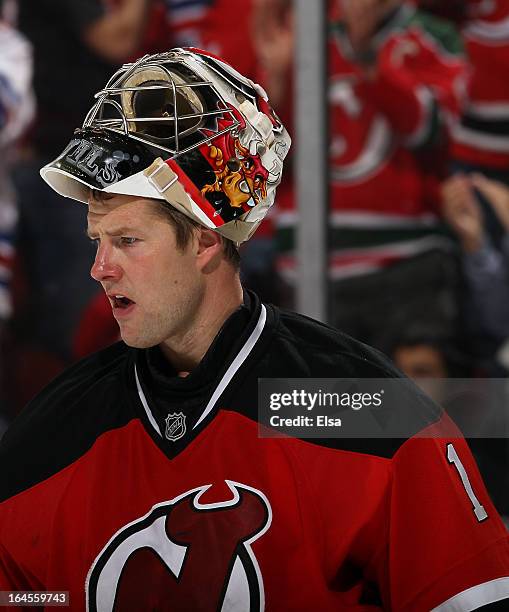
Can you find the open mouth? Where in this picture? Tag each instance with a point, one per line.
(121, 302)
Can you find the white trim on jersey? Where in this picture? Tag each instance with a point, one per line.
(498, 110)
(235, 364)
(363, 220)
(406, 248)
(143, 399)
(287, 218)
(355, 269)
(242, 355)
(479, 140)
(423, 127)
(488, 32)
(367, 259)
(378, 149)
(376, 221)
(476, 597)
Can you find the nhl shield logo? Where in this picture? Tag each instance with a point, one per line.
(175, 426)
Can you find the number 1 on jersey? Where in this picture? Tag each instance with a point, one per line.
(452, 457)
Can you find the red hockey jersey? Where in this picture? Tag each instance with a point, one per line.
(134, 489)
(387, 143)
(219, 26)
(482, 137)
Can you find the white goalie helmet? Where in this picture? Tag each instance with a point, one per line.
(183, 127)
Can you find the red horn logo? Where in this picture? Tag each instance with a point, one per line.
(184, 555)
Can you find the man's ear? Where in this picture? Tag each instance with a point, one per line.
(209, 249)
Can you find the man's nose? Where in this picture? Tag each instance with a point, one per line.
(104, 266)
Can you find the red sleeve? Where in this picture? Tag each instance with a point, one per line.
(415, 85)
(448, 549)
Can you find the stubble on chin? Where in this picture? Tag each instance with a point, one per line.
(137, 340)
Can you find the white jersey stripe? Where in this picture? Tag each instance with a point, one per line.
(406, 248)
(235, 364)
(145, 404)
(476, 597)
(422, 130)
(497, 32)
(494, 111)
(364, 220)
(376, 221)
(480, 140)
(224, 382)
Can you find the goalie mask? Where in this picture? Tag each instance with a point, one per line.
(186, 128)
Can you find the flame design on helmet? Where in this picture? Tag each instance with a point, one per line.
(240, 178)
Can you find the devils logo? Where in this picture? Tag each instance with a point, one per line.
(184, 555)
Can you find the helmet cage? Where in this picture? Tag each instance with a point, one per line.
(184, 127)
(170, 68)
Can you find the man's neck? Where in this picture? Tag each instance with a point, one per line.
(186, 351)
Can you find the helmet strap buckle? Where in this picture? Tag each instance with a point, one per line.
(161, 176)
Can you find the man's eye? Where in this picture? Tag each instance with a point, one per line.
(128, 240)
(95, 242)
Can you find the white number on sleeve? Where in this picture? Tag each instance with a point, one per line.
(452, 457)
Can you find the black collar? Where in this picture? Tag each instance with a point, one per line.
(169, 393)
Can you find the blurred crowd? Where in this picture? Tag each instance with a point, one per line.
(418, 117)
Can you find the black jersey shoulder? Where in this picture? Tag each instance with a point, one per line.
(300, 347)
(64, 420)
(326, 349)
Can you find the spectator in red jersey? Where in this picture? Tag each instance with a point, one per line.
(481, 146)
(395, 76)
(481, 139)
(221, 27)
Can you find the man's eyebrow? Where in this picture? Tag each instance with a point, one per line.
(99, 196)
(115, 231)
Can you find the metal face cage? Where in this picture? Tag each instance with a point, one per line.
(162, 102)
